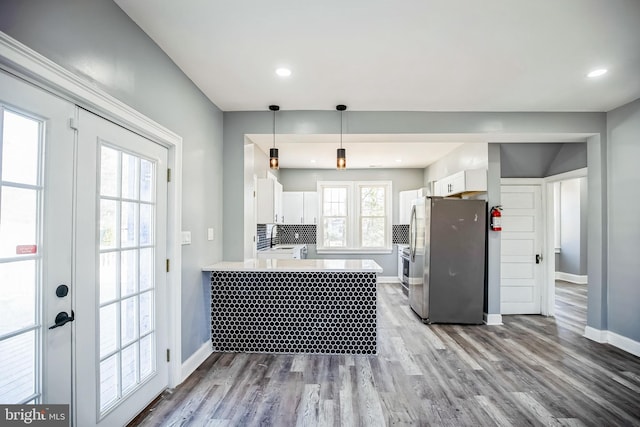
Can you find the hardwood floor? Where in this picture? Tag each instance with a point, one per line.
(531, 371)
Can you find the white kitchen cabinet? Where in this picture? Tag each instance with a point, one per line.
(467, 181)
(405, 200)
(300, 207)
(269, 201)
(310, 207)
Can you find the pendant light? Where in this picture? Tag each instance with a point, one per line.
(341, 159)
(273, 152)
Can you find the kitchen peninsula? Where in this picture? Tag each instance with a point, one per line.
(324, 306)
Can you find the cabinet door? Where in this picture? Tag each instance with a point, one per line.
(292, 207)
(265, 197)
(457, 183)
(310, 208)
(277, 202)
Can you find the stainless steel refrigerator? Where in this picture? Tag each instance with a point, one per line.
(447, 244)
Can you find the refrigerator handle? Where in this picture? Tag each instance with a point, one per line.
(413, 234)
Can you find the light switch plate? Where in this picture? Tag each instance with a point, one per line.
(186, 237)
(210, 234)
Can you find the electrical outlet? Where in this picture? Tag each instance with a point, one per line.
(210, 235)
(296, 236)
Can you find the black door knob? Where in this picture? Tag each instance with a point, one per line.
(62, 291)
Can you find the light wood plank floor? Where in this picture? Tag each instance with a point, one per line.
(532, 371)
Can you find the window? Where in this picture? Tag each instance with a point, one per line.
(355, 216)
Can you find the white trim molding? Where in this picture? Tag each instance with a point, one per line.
(572, 278)
(492, 319)
(22, 61)
(196, 359)
(616, 340)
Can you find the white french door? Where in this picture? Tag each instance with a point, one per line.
(121, 203)
(36, 211)
(521, 273)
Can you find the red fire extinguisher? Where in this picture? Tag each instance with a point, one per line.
(496, 218)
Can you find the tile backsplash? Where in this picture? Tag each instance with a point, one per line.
(306, 234)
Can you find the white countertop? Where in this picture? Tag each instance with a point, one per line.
(367, 265)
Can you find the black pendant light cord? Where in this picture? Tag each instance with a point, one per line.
(274, 108)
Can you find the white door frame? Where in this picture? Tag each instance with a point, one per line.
(549, 248)
(20, 60)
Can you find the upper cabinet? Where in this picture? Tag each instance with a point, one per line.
(269, 201)
(468, 181)
(405, 200)
(300, 207)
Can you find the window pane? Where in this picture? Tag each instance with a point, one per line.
(128, 321)
(129, 367)
(108, 216)
(108, 381)
(17, 368)
(108, 329)
(108, 276)
(372, 201)
(146, 356)
(129, 225)
(19, 216)
(128, 272)
(335, 232)
(146, 181)
(109, 171)
(129, 177)
(146, 269)
(334, 201)
(17, 295)
(146, 224)
(146, 312)
(20, 149)
(373, 232)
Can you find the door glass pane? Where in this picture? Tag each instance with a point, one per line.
(108, 221)
(18, 281)
(109, 163)
(18, 221)
(127, 273)
(20, 258)
(108, 329)
(18, 368)
(108, 381)
(20, 149)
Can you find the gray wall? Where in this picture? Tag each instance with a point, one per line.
(572, 258)
(305, 180)
(623, 127)
(97, 40)
(539, 160)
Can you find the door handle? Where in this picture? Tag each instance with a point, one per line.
(538, 258)
(63, 318)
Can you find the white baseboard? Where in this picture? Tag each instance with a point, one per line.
(196, 359)
(388, 279)
(492, 319)
(616, 340)
(573, 278)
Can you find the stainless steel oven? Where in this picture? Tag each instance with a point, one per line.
(405, 270)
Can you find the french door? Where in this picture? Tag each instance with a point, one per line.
(122, 339)
(36, 178)
(82, 259)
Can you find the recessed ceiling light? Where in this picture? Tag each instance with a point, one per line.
(597, 73)
(283, 72)
(313, 160)
(398, 160)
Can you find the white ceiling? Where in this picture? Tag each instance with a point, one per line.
(410, 55)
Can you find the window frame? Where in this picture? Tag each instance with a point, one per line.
(354, 218)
